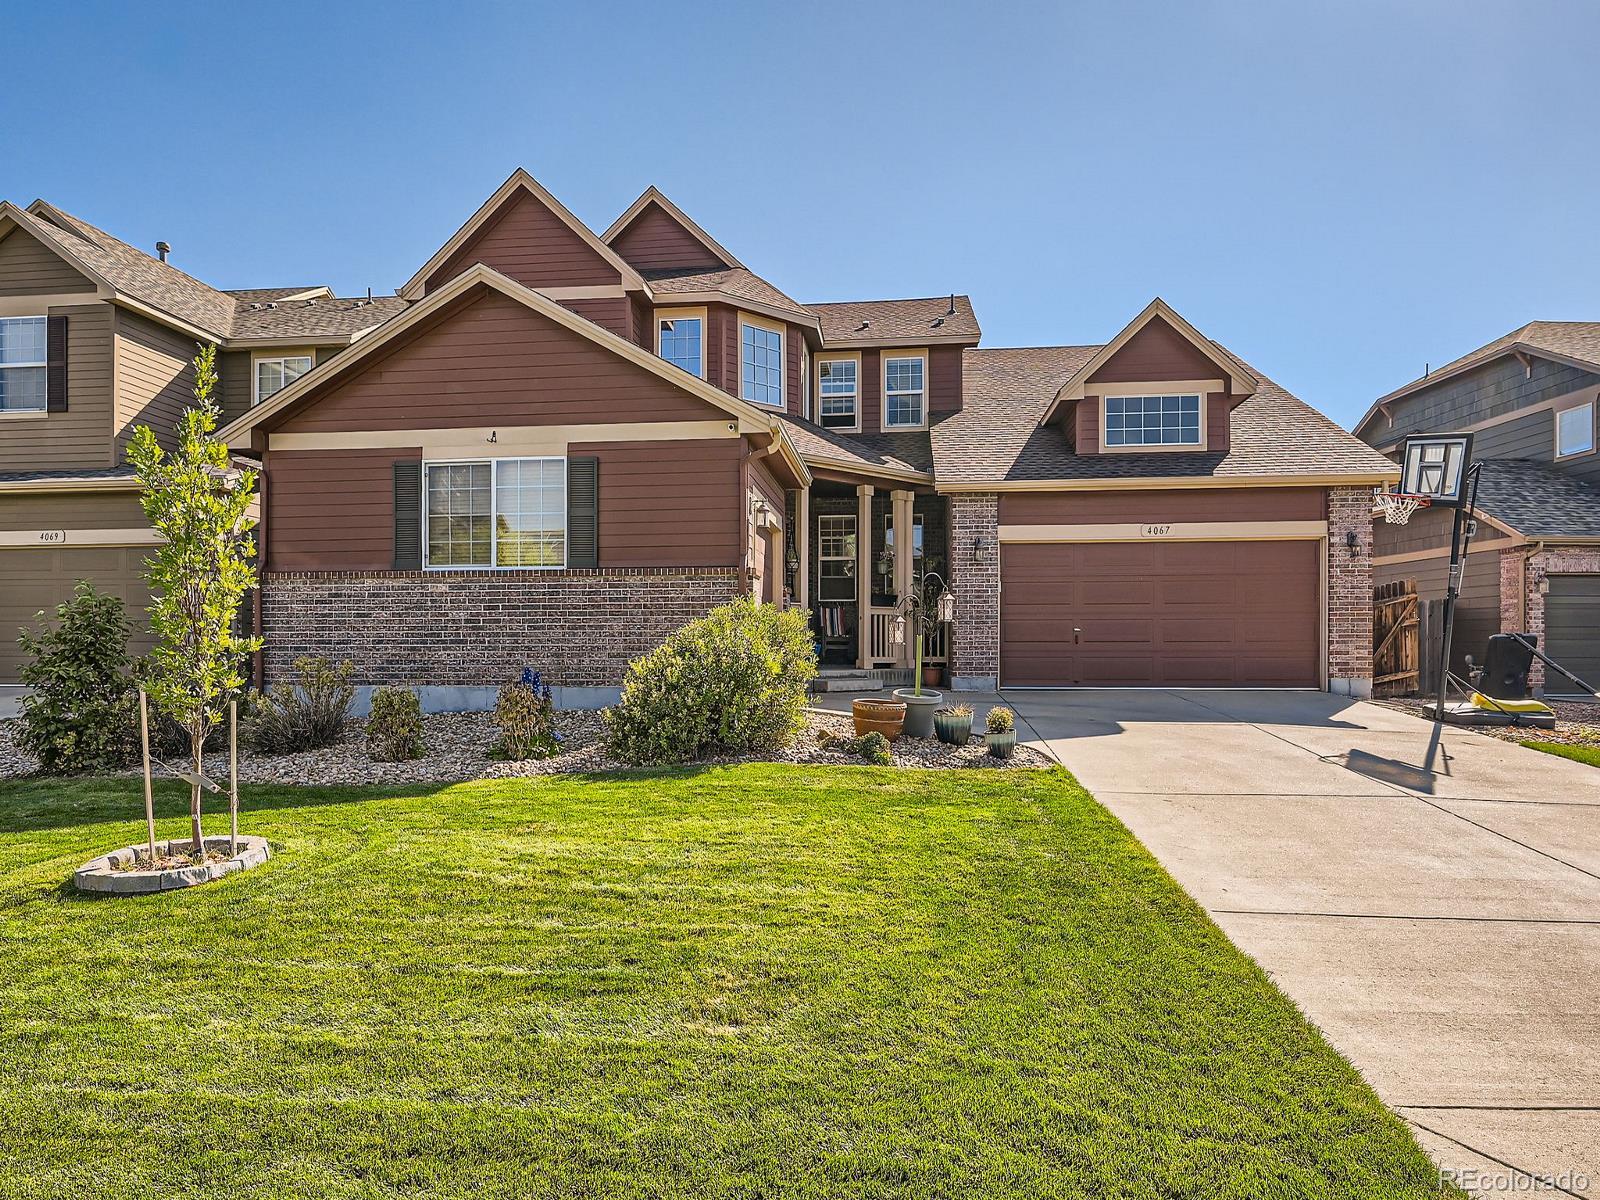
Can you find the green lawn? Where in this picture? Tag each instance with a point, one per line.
(746, 982)
(1583, 754)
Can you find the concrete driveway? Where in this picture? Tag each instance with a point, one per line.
(1433, 904)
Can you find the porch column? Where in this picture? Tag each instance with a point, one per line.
(802, 546)
(864, 575)
(903, 561)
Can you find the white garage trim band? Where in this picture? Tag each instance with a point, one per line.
(1170, 531)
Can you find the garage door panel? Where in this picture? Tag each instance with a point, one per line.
(1572, 629)
(40, 580)
(1154, 614)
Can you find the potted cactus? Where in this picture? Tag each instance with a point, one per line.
(953, 724)
(1001, 738)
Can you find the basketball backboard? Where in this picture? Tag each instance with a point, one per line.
(1436, 466)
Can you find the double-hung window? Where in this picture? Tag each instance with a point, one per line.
(761, 363)
(23, 364)
(838, 393)
(506, 512)
(1157, 420)
(1575, 430)
(681, 341)
(275, 374)
(905, 392)
(836, 557)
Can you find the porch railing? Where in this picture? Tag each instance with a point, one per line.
(883, 651)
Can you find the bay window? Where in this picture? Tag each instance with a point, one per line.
(23, 364)
(680, 339)
(504, 512)
(761, 363)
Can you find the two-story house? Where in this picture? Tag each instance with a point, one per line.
(554, 445)
(1529, 399)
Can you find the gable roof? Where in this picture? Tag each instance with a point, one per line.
(1240, 379)
(1576, 343)
(750, 418)
(652, 195)
(1001, 439)
(519, 181)
(736, 285)
(925, 321)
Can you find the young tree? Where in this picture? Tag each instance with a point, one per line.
(199, 503)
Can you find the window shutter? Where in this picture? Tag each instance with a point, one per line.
(56, 364)
(408, 515)
(583, 512)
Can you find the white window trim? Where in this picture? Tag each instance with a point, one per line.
(776, 327)
(1182, 387)
(691, 314)
(883, 388)
(309, 356)
(494, 511)
(845, 558)
(805, 380)
(44, 409)
(854, 357)
(1594, 440)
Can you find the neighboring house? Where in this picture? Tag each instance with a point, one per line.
(565, 444)
(1529, 399)
(96, 338)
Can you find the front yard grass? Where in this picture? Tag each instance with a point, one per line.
(1583, 754)
(742, 982)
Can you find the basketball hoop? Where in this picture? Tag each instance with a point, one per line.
(1397, 507)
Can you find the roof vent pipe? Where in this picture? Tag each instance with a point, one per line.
(162, 250)
(951, 311)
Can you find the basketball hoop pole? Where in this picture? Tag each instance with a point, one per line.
(1460, 542)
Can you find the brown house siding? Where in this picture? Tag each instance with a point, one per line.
(613, 314)
(1200, 504)
(668, 504)
(70, 510)
(331, 510)
(155, 377)
(944, 379)
(30, 268)
(529, 243)
(234, 383)
(870, 385)
(1158, 351)
(654, 240)
(79, 438)
(495, 361)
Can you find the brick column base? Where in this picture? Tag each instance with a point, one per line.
(975, 579)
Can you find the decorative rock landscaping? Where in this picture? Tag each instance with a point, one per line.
(125, 872)
(458, 744)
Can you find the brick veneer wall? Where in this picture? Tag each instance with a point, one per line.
(1350, 591)
(1521, 595)
(474, 628)
(975, 579)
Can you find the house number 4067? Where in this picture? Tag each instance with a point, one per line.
(1154, 530)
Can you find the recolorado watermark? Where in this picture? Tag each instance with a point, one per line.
(1496, 1180)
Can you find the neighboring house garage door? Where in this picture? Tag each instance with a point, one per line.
(38, 580)
(1572, 630)
(1161, 614)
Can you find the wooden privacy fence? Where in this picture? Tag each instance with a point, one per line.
(1396, 622)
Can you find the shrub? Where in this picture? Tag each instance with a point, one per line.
(733, 681)
(305, 713)
(1000, 719)
(394, 726)
(83, 713)
(526, 716)
(874, 747)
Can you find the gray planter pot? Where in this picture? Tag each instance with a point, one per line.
(919, 710)
(951, 729)
(1001, 744)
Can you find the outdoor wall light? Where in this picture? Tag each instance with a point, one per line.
(1352, 542)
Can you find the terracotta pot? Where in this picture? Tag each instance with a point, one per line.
(932, 675)
(887, 717)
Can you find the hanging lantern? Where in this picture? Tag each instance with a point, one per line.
(886, 561)
(945, 606)
(897, 632)
(791, 560)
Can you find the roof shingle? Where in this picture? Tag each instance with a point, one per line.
(904, 321)
(1536, 501)
(734, 282)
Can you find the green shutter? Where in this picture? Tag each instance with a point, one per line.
(583, 512)
(408, 515)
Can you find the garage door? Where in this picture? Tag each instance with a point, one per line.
(36, 580)
(1161, 614)
(1572, 630)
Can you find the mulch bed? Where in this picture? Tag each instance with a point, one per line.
(458, 749)
(1577, 723)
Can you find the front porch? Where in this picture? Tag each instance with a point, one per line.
(852, 581)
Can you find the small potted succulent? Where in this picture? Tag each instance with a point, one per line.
(953, 724)
(1002, 736)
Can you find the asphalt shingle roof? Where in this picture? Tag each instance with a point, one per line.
(312, 319)
(899, 451)
(906, 321)
(997, 437)
(252, 295)
(68, 476)
(734, 282)
(1538, 501)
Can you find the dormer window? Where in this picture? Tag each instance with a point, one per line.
(905, 391)
(680, 339)
(1146, 421)
(23, 364)
(761, 362)
(275, 374)
(838, 393)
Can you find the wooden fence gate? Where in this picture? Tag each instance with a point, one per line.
(1395, 642)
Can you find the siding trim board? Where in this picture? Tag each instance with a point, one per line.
(1170, 531)
(505, 440)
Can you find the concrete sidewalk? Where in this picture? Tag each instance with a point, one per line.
(1431, 901)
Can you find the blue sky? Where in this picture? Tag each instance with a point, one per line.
(1339, 192)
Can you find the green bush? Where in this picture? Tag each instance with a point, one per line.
(733, 681)
(394, 726)
(874, 747)
(526, 715)
(83, 712)
(307, 712)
